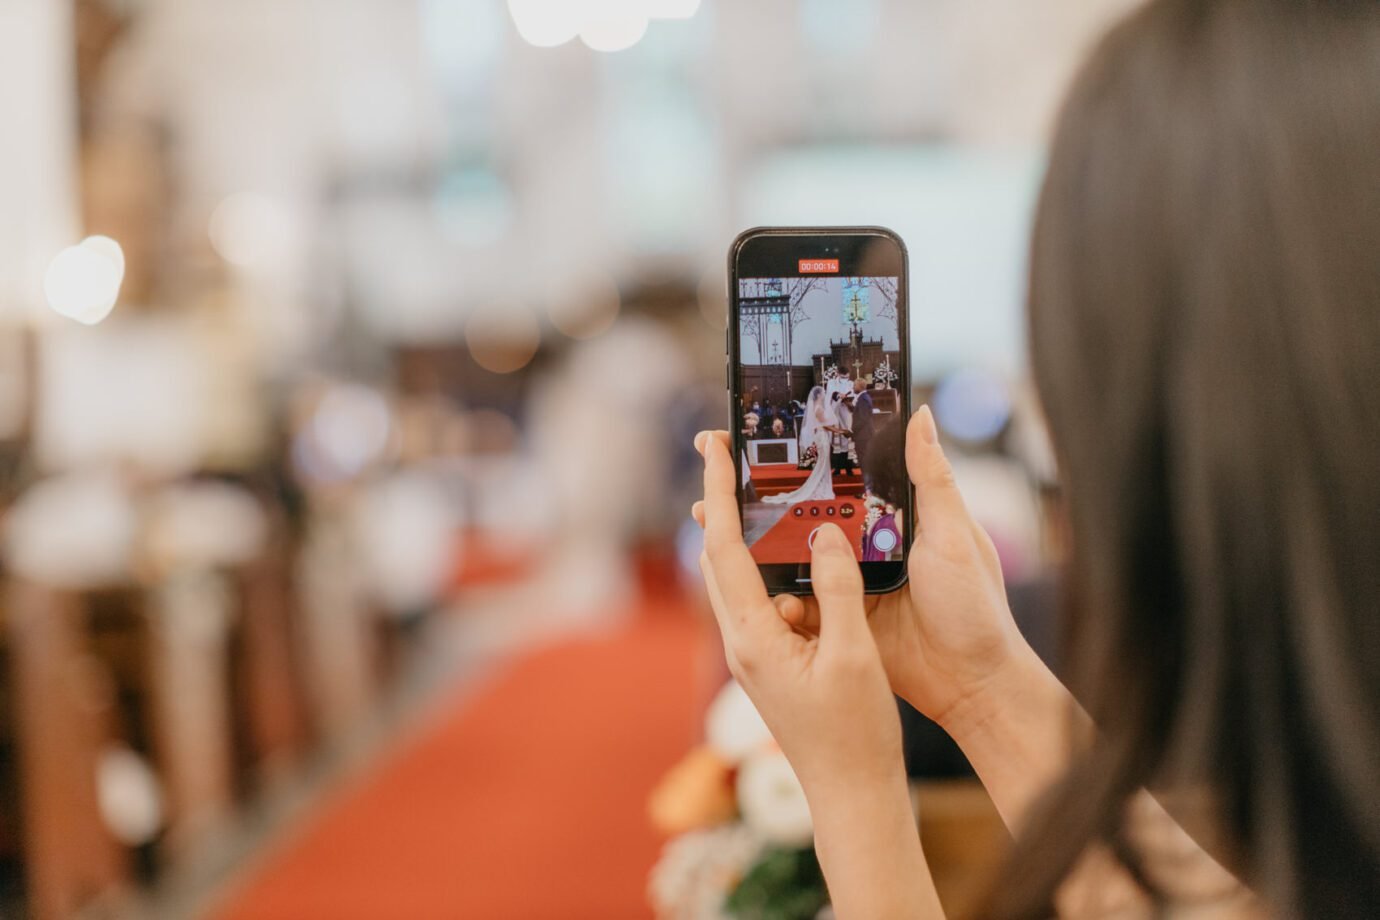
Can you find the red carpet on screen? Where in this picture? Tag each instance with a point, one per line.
(788, 539)
(526, 799)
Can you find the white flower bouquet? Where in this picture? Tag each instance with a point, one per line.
(742, 843)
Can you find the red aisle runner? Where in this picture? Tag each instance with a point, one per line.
(527, 801)
(771, 478)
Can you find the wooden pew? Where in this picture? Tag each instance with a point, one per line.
(65, 714)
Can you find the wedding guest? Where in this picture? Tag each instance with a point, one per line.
(750, 423)
(840, 444)
(1204, 333)
(862, 424)
(778, 428)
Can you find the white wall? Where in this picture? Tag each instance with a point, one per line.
(38, 213)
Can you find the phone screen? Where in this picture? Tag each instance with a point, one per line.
(820, 399)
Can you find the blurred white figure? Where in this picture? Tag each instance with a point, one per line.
(602, 448)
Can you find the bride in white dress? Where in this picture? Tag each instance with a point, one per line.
(817, 428)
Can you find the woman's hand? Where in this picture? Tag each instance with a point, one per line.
(826, 700)
(951, 648)
(825, 696)
(947, 639)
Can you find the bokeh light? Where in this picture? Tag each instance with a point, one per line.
(584, 310)
(972, 405)
(504, 337)
(129, 796)
(346, 433)
(83, 281)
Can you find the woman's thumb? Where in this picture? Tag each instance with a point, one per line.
(936, 493)
(837, 583)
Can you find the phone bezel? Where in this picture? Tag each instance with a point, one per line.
(767, 252)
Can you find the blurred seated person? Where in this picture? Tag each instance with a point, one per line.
(751, 421)
(778, 428)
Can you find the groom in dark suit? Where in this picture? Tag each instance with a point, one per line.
(862, 425)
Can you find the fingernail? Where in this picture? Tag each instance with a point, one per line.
(700, 440)
(927, 429)
(830, 539)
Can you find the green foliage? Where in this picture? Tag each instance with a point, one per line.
(783, 885)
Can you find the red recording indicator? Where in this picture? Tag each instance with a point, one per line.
(819, 266)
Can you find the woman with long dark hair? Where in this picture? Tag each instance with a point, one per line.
(1205, 335)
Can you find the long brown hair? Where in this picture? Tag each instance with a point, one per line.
(1205, 334)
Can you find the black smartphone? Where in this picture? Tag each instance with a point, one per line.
(819, 397)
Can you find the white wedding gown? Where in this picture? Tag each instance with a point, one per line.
(820, 484)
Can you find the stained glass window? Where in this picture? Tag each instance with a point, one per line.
(855, 293)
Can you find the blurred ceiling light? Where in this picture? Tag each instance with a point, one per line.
(972, 405)
(83, 281)
(672, 9)
(713, 300)
(546, 23)
(249, 229)
(614, 29)
(583, 311)
(503, 338)
(603, 25)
